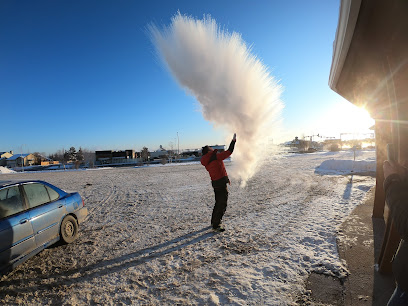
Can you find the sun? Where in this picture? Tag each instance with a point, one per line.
(345, 120)
(357, 119)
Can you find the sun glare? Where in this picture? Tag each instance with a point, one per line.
(345, 119)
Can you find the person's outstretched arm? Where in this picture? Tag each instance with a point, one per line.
(226, 154)
(232, 144)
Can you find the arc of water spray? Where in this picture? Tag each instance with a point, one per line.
(235, 90)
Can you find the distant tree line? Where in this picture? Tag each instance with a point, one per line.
(72, 155)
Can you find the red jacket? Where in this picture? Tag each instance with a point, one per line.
(213, 162)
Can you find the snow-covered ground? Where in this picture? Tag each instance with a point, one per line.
(147, 239)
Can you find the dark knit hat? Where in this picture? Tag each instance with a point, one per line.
(205, 150)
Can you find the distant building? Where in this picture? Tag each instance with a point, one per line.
(4, 156)
(298, 144)
(191, 152)
(49, 162)
(20, 160)
(103, 157)
(159, 153)
(111, 157)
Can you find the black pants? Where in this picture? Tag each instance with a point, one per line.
(221, 198)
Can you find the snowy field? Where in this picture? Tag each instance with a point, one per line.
(147, 239)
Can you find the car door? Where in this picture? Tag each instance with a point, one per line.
(45, 211)
(16, 233)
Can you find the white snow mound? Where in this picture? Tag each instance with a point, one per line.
(346, 166)
(4, 170)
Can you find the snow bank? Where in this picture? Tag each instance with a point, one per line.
(4, 170)
(346, 166)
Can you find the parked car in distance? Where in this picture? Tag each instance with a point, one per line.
(33, 216)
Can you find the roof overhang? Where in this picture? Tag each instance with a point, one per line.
(370, 54)
(345, 29)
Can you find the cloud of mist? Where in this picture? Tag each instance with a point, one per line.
(235, 90)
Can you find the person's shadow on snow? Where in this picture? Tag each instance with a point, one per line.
(349, 187)
(111, 265)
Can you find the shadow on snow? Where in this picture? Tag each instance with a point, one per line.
(109, 266)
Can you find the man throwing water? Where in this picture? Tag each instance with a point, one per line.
(213, 162)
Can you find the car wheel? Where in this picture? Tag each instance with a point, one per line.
(69, 229)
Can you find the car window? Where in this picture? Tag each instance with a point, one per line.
(10, 202)
(36, 194)
(53, 194)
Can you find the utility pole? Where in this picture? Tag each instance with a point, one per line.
(22, 158)
(178, 144)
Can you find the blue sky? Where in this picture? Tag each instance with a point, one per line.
(85, 73)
